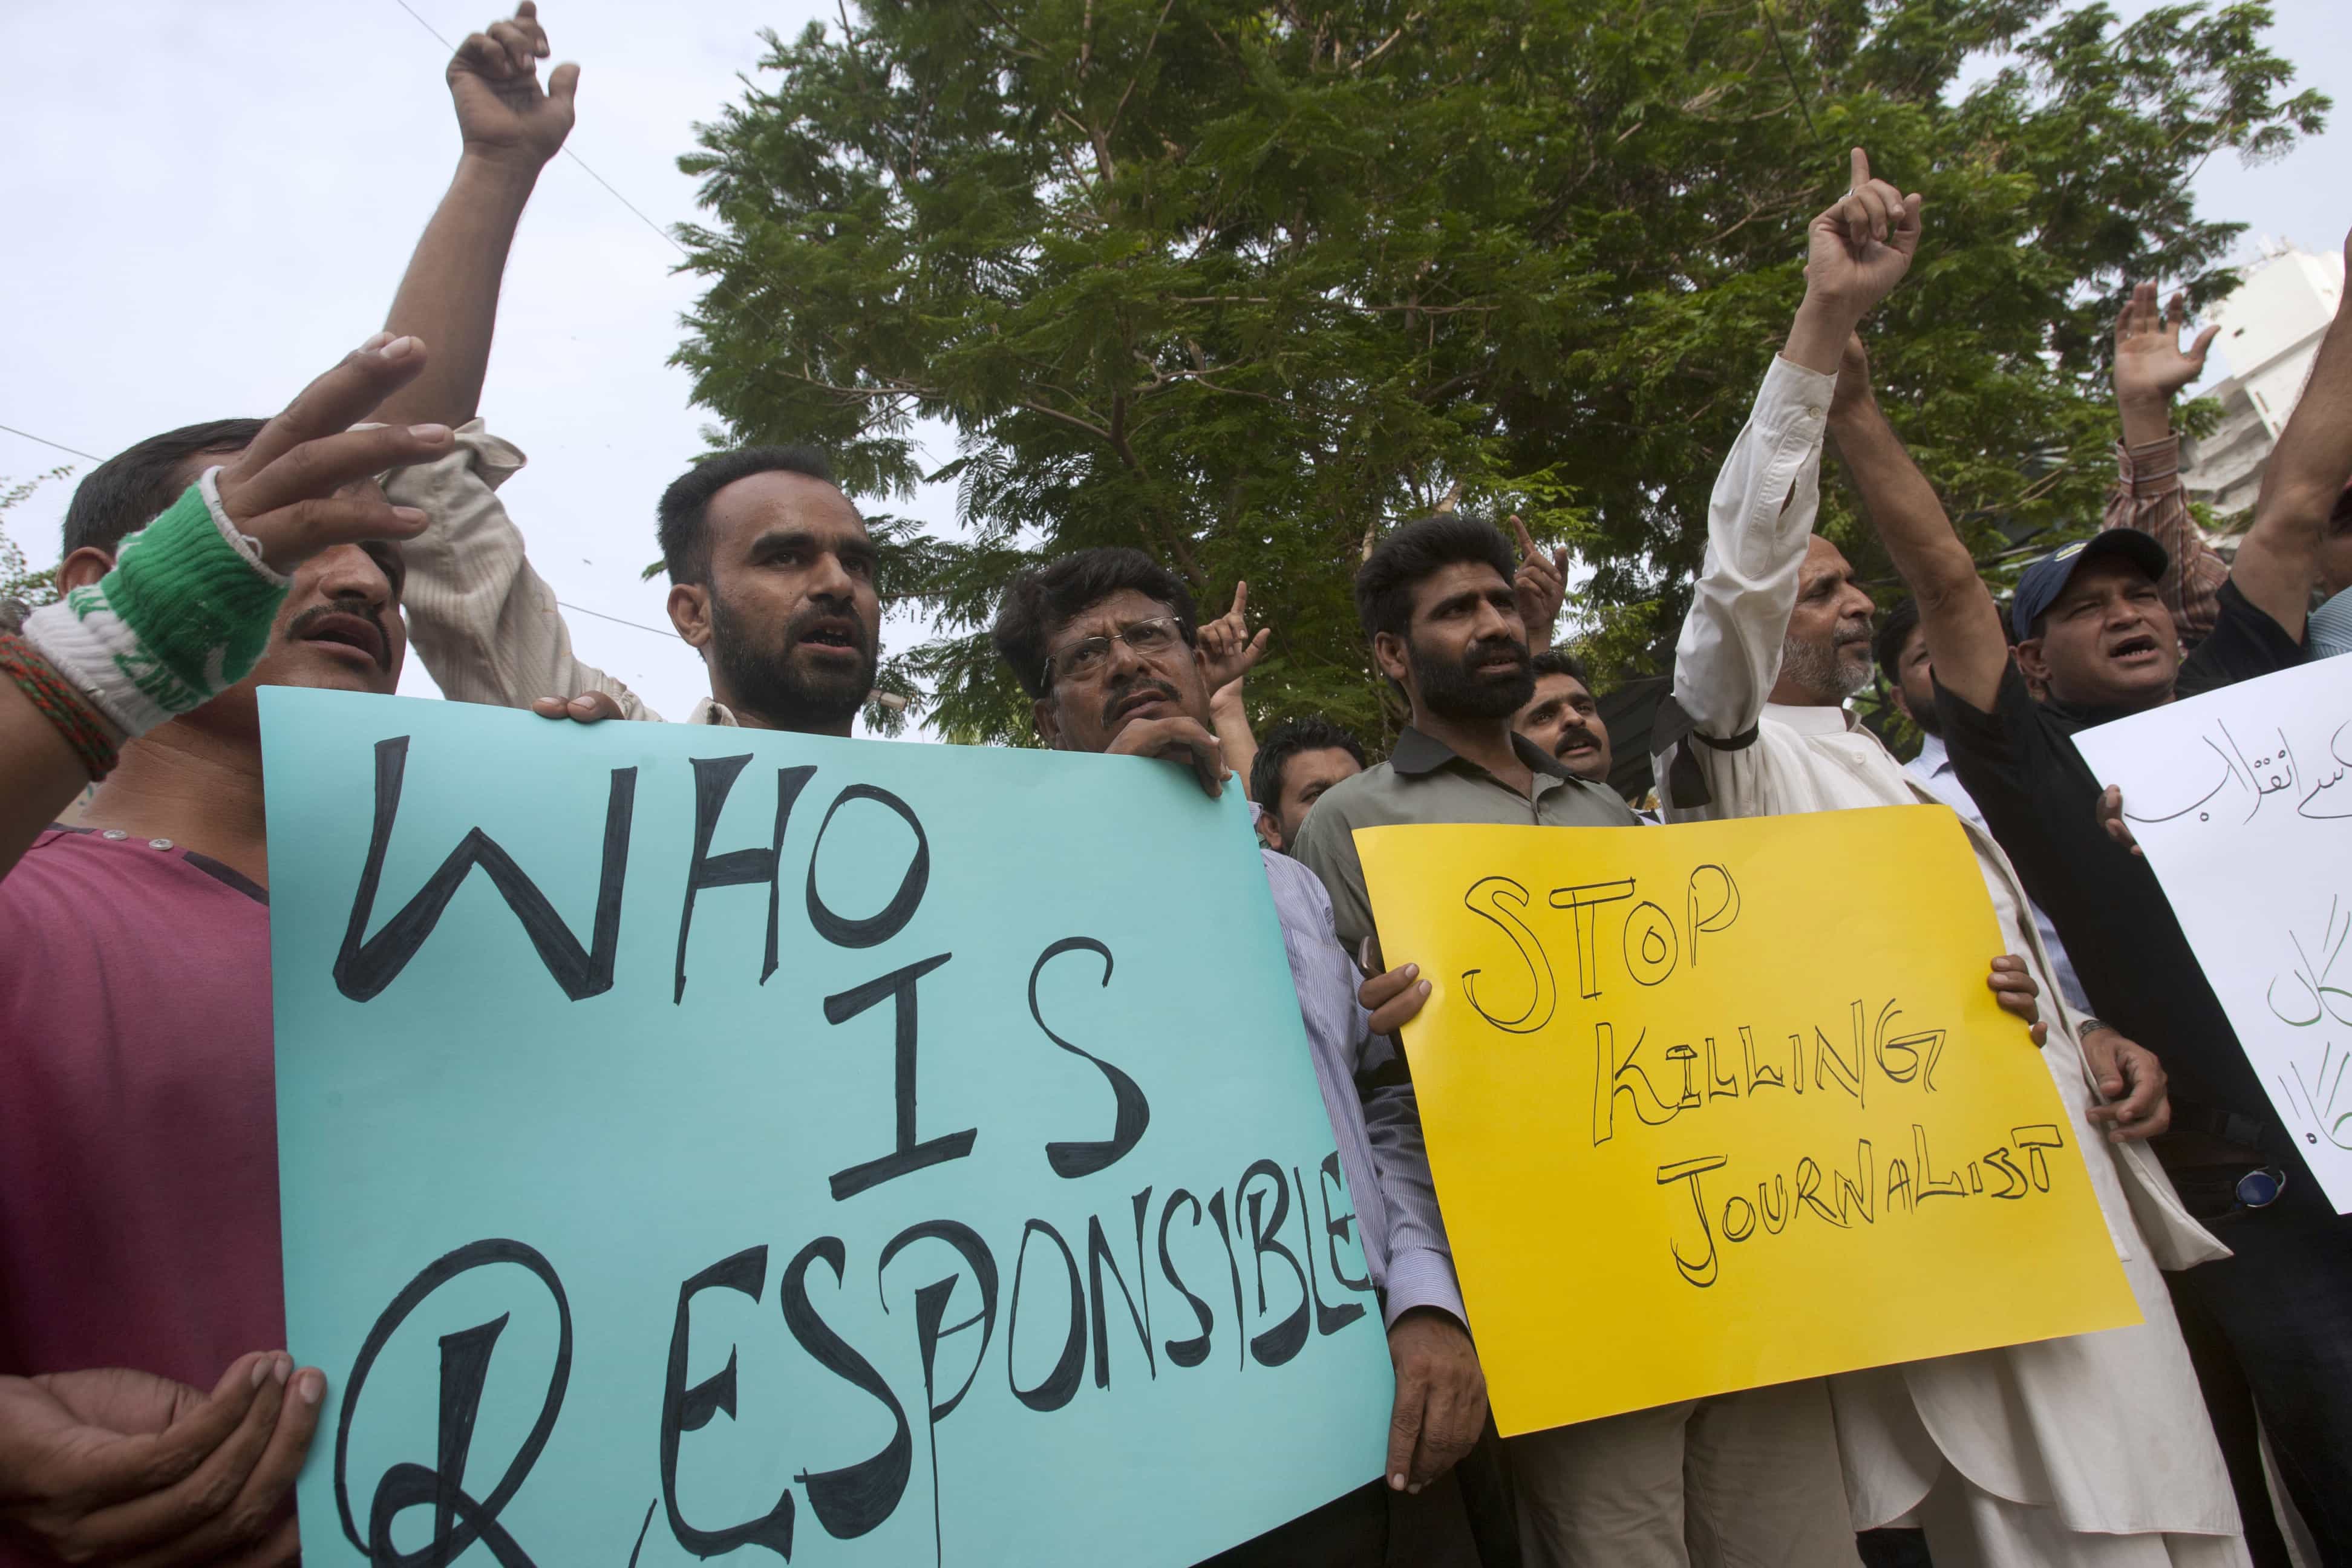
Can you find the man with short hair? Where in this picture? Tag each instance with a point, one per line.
(2039, 1454)
(1300, 760)
(1435, 599)
(1901, 650)
(2094, 624)
(772, 568)
(1564, 716)
(1105, 642)
(138, 1247)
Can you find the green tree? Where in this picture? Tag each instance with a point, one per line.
(1241, 283)
(21, 587)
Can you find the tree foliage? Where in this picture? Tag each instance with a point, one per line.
(21, 587)
(1240, 284)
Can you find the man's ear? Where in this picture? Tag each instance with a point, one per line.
(2029, 662)
(690, 612)
(1902, 703)
(1043, 713)
(1269, 832)
(1388, 652)
(83, 568)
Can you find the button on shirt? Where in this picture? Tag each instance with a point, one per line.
(1933, 770)
(1425, 780)
(1379, 1139)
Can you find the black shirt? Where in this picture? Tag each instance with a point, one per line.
(2040, 800)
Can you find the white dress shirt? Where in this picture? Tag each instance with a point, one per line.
(2107, 1429)
(1932, 769)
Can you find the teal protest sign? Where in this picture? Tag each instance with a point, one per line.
(700, 1141)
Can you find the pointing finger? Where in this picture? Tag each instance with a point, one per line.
(1240, 599)
(336, 401)
(1527, 543)
(1860, 173)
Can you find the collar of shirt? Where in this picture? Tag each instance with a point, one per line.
(1416, 753)
(1933, 758)
(710, 711)
(1812, 720)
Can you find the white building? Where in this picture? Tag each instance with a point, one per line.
(2270, 329)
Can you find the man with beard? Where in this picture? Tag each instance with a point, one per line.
(771, 570)
(1564, 718)
(1436, 598)
(1901, 650)
(146, 1414)
(2093, 623)
(1106, 645)
(2092, 1449)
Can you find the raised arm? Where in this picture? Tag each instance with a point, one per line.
(2151, 368)
(1956, 610)
(1768, 493)
(2279, 558)
(510, 127)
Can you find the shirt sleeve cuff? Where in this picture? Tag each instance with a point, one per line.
(1790, 384)
(2147, 463)
(1424, 1276)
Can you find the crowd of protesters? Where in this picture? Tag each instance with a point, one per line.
(145, 1416)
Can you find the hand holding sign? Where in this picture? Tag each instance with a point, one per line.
(119, 1466)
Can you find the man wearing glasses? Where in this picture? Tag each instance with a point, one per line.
(1104, 643)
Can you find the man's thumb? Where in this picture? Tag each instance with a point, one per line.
(564, 82)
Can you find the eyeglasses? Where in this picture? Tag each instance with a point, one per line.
(1087, 656)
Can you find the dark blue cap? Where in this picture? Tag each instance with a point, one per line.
(2041, 583)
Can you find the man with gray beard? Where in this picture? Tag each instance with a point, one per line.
(2090, 1451)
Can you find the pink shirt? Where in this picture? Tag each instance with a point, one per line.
(138, 1112)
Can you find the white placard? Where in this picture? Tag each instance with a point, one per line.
(2242, 800)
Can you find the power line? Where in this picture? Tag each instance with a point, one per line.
(575, 609)
(45, 441)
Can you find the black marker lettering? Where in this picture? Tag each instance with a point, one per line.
(1190, 1352)
(687, 1409)
(1233, 1266)
(365, 965)
(875, 930)
(1336, 1230)
(1649, 945)
(1493, 899)
(2034, 1139)
(909, 1154)
(1327, 1320)
(1061, 1384)
(458, 1519)
(1099, 1254)
(853, 1499)
(1721, 898)
(1701, 1273)
(1930, 1186)
(931, 1309)
(1282, 1342)
(1132, 1112)
(1581, 901)
(714, 777)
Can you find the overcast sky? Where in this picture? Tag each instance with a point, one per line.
(208, 205)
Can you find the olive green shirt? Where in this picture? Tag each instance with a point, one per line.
(1426, 781)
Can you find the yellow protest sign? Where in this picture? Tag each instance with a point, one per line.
(1722, 1105)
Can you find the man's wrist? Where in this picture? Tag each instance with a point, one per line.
(506, 171)
(2088, 1026)
(1816, 337)
(2145, 418)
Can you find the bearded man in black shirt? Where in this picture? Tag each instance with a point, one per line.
(2094, 631)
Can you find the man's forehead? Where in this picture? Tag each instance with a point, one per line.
(779, 500)
(1557, 685)
(1458, 577)
(2099, 576)
(1120, 610)
(1824, 559)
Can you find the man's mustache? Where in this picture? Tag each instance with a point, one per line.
(358, 609)
(1122, 695)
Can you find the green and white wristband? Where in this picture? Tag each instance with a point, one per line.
(184, 615)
